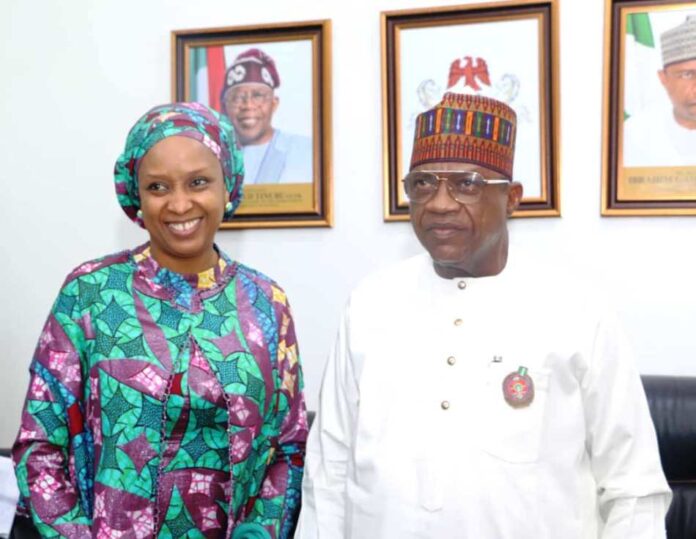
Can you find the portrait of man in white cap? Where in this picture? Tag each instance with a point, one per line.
(664, 134)
(249, 99)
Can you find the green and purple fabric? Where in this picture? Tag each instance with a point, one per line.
(157, 410)
(192, 120)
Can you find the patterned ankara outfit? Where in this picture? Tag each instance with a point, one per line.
(163, 404)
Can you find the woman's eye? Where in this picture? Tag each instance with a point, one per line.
(156, 186)
(199, 182)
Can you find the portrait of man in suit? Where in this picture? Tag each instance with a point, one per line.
(249, 99)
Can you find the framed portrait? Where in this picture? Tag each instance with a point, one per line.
(649, 132)
(506, 50)
(274, 84)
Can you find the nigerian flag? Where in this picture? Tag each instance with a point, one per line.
(207, 71)
(641, 63)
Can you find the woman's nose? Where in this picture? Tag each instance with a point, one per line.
(179, 202)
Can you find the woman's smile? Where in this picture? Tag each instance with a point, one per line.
(185, 229)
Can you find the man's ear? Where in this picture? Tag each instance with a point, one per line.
(663, 77)
(276, 100)
(514, 197)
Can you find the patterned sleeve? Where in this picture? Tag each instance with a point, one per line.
(51, 431)
(278, 504)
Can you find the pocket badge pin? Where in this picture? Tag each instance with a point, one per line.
(518, 388)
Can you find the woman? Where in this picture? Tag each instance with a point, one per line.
(166, 394)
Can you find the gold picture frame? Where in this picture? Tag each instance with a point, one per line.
(645, 170)
(288, 181)
(517, 43)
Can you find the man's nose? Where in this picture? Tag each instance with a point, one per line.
(246, 101)
(692, 88)
(442, 200)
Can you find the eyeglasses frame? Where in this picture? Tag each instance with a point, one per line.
(480, 181)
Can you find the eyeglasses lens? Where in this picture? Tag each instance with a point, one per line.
(462, 186)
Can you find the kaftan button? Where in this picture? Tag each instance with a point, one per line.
(451, 360)
(461, 285)
(458, 322)
(445, 405)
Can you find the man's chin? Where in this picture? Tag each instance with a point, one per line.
(449, 257)
(448, 261)
(252, 138)
(247, 140)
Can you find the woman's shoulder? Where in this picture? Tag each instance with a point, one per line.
(253, 277)
(100, 266)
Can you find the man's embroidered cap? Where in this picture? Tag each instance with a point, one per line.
(467, 128)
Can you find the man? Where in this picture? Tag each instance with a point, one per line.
(666, 136)
(249, 100)
(469, 396)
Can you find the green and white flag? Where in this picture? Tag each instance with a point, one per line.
(641, 63)
(206, 75)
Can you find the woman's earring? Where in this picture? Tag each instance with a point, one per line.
(228, 207)
(139, 214)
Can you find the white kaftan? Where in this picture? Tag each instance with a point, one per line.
(414, 439)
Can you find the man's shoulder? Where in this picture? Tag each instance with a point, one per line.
(395, 278)
(561, 284)
(286, 142)
(646, 137)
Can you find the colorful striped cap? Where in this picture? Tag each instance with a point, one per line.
(467, 128)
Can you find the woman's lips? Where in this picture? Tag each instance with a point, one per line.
(184, 229)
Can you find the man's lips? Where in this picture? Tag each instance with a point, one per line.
(184, 229)
(445, 230)
(248, 121)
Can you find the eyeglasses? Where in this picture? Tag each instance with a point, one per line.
(464, 187)
(255, 97)
(681, 75)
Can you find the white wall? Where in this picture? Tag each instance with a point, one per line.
(75, 75)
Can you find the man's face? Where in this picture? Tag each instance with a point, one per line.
(680, 82)
(466, 239)
(250, 107)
